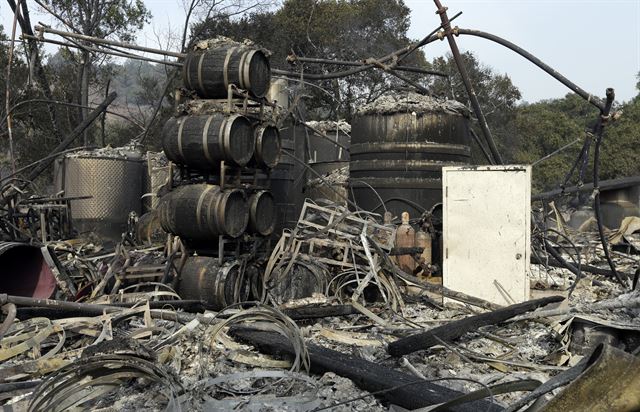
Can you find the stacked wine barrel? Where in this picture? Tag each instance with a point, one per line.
(216, 143)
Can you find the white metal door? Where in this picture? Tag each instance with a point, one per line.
(486, 223)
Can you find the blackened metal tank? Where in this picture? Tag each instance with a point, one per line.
(288, 178)
(399, 144)
(329, 161)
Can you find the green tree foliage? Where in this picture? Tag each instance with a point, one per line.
(333, 29)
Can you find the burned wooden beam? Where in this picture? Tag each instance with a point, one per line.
(399, 388)
(456, 329)
(316, 312)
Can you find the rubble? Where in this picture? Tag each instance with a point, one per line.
(163, 339)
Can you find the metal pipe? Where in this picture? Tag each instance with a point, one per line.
(97, 50)
(598, 132)
(92, 39)
(605, 184)
(446, 26)
(359, 63)
(533, 59)
(479, 143)
(425, 40)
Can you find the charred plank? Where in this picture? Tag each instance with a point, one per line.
(456, 329)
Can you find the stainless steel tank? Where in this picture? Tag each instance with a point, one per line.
(115, 185)
(399, 144)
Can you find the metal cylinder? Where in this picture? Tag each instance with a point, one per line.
(115, 186)
(203, 212)
(267, 147)
(24, 272)
(262, 213)
(288, 179)
(203, 141)
(202, 278)
(398, 151)
(210, 71)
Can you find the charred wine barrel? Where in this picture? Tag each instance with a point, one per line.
(210, 72)
(203, 141)
(202, 278)
(262, 213)
(301, 280)
(148, 229)
(267, 147)
(203, 212)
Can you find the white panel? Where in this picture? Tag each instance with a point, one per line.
(486, 223)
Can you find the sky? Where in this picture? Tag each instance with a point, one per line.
(595, 43)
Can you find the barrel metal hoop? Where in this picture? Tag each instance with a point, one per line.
(220, 211)
(259, 135)
(244, 68)
(202, 91)
(186, 72)
(180, 126)
(199, 207)
(205, 141)
(225, 67)
(202, 279)
(221, 136)
(220, 282)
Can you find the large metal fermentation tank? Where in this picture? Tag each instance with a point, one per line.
(115, 185)
(288, 178)
(399, 144)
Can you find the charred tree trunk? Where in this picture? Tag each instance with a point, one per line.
(39, 73)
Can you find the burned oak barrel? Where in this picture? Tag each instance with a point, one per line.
(262, 213)
(203, 141)
(210, 71)
(202, 278)
(267, 147)
(299, 280)
(148, 229)
(203, 212)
